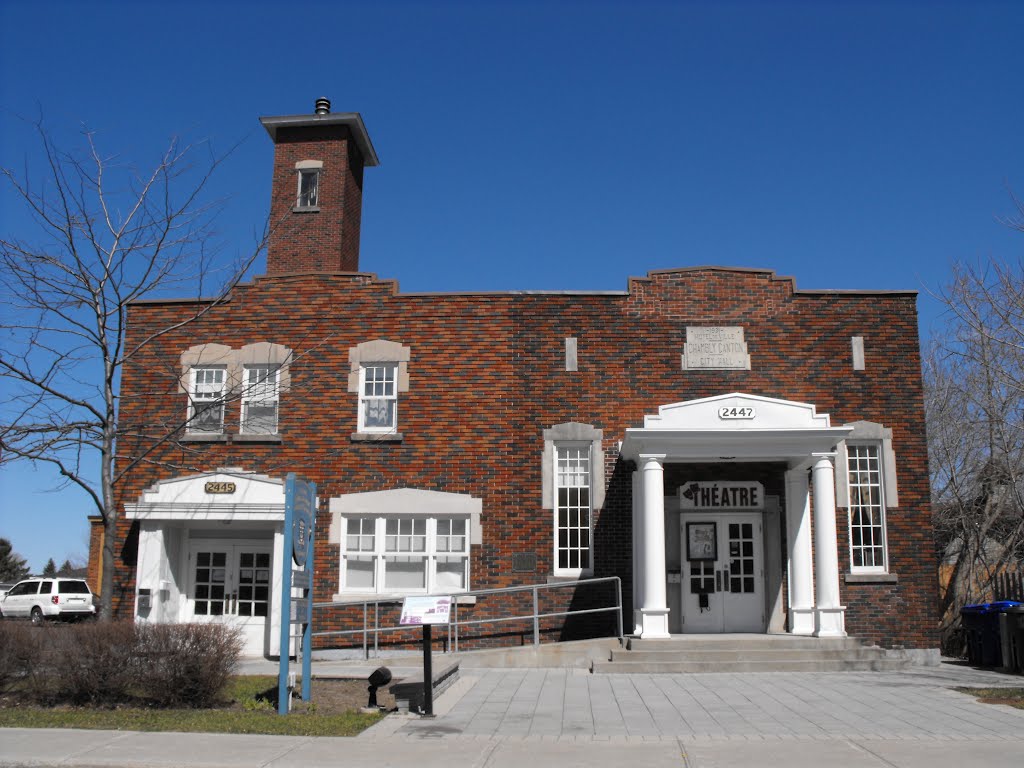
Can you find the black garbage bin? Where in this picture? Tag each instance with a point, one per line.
(1015, 638)
(991, 637)
(970, 620)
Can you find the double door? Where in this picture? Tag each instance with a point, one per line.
(230, 584)
(723, 572)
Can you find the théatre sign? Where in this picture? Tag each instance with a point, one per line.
(721, 494)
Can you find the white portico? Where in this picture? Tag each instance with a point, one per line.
(726, 521)
(210, 548)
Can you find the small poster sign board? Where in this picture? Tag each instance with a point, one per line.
(701, 541)
(426, 609)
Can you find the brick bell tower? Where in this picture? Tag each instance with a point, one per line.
(317, 190)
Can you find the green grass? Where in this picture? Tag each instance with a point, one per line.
(255, 715)
(195, 721)
(1013, 697)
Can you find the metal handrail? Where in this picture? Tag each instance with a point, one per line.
(455, 623)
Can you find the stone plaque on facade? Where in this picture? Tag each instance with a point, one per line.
(715, 348)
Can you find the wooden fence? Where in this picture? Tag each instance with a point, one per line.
(1009, 586)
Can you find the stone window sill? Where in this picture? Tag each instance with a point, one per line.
(306, 209)
(558, 579)
(370, 597)
(872, 578)
(373, 597)
(225, 437)
(197, 437)
(376, 437)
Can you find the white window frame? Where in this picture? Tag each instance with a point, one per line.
(584, 448)
(197, 398)
(358, 544)
(310, 199)
(263, 394)
(390, 395)
(856, 485)
(564, 434)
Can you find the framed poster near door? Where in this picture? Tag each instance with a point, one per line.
(701, 541)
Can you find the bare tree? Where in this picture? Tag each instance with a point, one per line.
(104, 236)
(974, 384)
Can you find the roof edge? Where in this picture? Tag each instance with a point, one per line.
(352, 120)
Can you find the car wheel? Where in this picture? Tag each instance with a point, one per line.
(37, 616)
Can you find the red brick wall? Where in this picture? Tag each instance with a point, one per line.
(326, 240)
(487, 377)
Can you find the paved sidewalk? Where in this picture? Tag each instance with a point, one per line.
(560, 704)
(511, 718)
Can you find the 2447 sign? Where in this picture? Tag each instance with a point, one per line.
(736, 412)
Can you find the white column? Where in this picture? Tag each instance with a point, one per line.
(272, 637)
(149, 564)
(638, 553)
(654, 613)
(829, 619)
(801, 570)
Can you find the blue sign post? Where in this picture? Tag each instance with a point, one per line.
(299, 522)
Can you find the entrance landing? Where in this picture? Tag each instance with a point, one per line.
(735, 652)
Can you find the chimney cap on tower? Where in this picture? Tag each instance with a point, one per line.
(352, 120)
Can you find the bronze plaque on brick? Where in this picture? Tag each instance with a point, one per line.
(524, 562)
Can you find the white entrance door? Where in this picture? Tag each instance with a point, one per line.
(230, 584)
(723, 572)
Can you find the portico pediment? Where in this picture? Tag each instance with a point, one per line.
(743, 412)
(735, 426)
(221, 494)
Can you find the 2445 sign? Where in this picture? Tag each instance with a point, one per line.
(734, 412)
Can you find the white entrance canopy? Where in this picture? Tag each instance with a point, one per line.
(741, 428)
(224, 494)
(754, 428)
(227, 510)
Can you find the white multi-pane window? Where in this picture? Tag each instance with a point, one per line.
(867, 508)
(572, 510)
(260, 399)
(378, 397)
(451, 554)
(397, 554)
(206, 400)
(309, 188)
(360, 554)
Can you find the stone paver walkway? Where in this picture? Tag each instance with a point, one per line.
(561, 705)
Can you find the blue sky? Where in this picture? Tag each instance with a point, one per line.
(559, 144)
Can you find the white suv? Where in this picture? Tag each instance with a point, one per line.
(40, 599)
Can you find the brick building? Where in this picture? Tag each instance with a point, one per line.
(745, 455)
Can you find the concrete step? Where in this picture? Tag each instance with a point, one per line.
(748, 653)
(788, 665)
(741, 642)
(756, 654)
